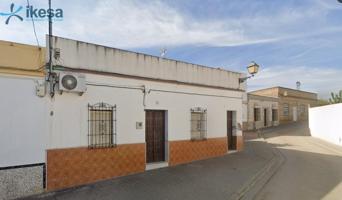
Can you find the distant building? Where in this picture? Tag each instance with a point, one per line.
(282, 105)
(260, 111)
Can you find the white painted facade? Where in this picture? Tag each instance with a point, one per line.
(70, 110)
(35, 124)
(30, 124)
(325, 123)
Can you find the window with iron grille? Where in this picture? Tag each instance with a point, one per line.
(198, 124)
(257, 114)
(101, 125)
(286, 109)
(274, 115)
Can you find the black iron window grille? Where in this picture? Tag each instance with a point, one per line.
(101, 125)
(198, 124)
(286, 109)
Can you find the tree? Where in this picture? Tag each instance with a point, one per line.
(322, 102)
(336, 98)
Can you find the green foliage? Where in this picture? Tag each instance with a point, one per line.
(322, 102)
(336, 98)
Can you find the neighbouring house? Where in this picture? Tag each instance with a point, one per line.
(23, 120)
(260, 111)
(293, 105)
(114, 113)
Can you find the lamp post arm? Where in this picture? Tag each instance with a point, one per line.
(241, 80)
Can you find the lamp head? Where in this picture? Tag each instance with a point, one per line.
(253, 68)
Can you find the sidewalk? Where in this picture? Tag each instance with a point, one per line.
(217, 178)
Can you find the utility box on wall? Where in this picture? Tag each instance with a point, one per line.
(139, 125)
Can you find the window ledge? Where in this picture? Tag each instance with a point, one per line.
(102, 147)
(197, 140)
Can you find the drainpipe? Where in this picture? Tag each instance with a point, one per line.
(145, 92)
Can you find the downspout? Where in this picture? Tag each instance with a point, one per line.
(145, 93)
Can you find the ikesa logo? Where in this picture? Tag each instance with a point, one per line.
(31, 13)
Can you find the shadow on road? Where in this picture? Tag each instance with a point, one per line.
(305, 175)
(281, 130)
(312, 169)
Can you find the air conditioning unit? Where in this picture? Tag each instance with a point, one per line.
(72, 82)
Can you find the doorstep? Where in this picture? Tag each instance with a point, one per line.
(157, 165)
(232, 151)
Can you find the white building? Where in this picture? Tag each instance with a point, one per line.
(137, 112)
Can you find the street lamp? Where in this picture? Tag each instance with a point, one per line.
(252, 68)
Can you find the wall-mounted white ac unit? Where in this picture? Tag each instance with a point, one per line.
(72, 82)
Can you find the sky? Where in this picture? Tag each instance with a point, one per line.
(291, 40)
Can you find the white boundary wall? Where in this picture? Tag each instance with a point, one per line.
(326, 123)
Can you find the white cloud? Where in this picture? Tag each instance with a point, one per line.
(321, 80)
(154, 23)
(130, 24)
(136, 24)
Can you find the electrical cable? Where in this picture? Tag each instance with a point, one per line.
(34, 25)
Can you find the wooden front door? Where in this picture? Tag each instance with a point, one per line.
(230, 137)
(155, 136)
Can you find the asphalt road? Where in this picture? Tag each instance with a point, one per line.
(312, 168)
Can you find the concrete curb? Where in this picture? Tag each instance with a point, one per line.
(256, 183)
